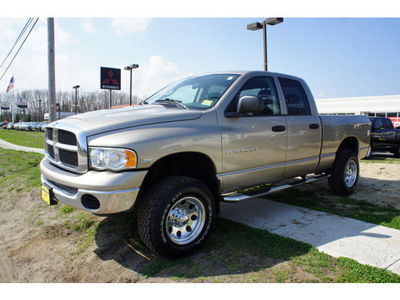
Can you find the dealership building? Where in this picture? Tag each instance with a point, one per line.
(376, 106)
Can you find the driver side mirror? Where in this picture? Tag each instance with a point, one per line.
(247, 104)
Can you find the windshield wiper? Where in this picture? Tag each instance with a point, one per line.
(169, 100)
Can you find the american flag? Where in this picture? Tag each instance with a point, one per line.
(11, 85)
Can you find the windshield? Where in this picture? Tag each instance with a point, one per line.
(200, 92)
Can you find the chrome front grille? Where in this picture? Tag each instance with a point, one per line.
(68, 157)
(66, 137)
(66, 147)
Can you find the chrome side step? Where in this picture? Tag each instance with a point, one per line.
(237, 197)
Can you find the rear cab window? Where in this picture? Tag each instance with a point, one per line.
(295, 97)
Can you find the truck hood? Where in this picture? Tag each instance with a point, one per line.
(120, 118)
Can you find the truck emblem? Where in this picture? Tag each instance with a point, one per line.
(145, 161)
(243, 150)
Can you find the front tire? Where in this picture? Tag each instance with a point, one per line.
(176, 216)
(344, 173)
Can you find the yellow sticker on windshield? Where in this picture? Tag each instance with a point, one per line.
(207, 102)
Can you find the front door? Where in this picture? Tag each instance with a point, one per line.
(254, 146)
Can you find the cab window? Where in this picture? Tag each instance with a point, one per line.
(264, 88)
(295, 97)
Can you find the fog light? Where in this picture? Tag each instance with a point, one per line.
(90, 202)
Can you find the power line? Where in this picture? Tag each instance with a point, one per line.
(17, 40)
(37, 19)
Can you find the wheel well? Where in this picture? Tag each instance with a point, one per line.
(350, 143)
(190, 164)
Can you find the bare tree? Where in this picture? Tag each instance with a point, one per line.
(38, 102)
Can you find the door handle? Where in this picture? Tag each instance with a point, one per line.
(278, 128)
(314, 126)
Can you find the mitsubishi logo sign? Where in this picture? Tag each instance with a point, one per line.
(110, 78)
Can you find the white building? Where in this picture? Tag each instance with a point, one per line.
(381, 106)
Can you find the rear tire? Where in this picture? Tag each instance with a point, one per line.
(176, 216)
(344, 173)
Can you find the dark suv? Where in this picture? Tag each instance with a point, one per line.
(384, 137)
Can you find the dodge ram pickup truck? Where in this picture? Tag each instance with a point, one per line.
(193, 144)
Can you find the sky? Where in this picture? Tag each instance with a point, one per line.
(338, 55)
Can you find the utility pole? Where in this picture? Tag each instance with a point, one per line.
(52, 70)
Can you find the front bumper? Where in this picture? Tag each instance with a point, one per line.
(111, 192)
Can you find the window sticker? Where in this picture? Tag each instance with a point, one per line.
(207, 102)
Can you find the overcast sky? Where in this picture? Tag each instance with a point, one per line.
(338, 57)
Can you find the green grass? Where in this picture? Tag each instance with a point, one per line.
(376, 159)
(358, 273)
(23, 138)
(19, 170)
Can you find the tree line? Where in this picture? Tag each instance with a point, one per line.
(38, 102)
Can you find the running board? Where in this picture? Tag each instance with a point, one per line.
(235, 197)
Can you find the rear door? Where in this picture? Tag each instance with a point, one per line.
(304, 128)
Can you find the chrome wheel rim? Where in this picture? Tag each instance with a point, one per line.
(350, 173)
(185, 220)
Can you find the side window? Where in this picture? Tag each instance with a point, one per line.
(264, 88)
(295, 97)
(378, 124)
(387, 124)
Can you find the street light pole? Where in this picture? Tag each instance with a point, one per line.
(265, 47)
(76, 87)
(256, 26)
(130, 68)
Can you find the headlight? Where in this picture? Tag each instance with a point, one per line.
(113, 159)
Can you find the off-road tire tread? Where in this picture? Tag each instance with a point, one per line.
(150, 202)
(336, 180)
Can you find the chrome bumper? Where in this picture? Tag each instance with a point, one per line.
(115, 192)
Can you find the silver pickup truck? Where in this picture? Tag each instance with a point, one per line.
(195, 143)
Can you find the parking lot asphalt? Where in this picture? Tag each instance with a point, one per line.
(337, 236)
(7, 145)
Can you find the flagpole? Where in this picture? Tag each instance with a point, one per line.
(13, 100)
